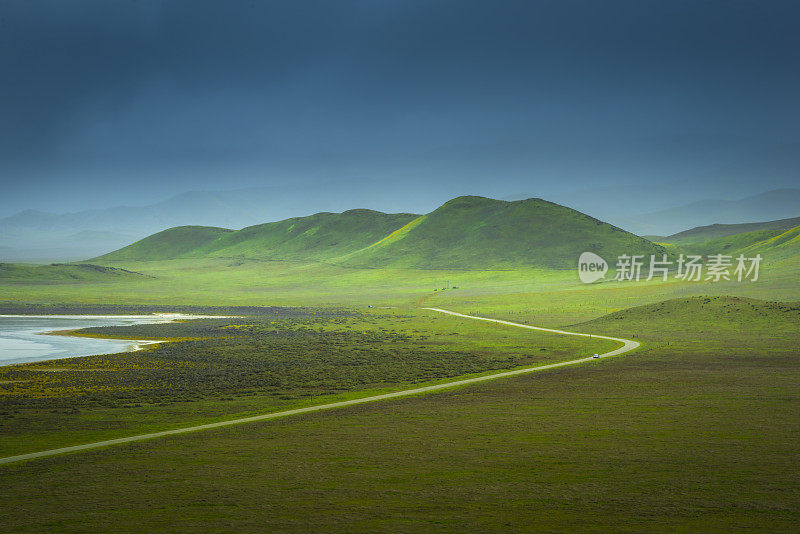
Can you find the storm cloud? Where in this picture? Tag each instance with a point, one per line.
(103, 101)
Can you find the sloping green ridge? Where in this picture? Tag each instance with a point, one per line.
(168, 244)
(705, 314)
(464, 233)
(481, 233)
(784, 246)
(774, 245)
(719, 231)
(732, 244)
(322, 236)
(61, 272)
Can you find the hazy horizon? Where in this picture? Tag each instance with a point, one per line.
(418, 201)
(130, 103)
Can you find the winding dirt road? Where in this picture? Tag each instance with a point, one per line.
(627, 346)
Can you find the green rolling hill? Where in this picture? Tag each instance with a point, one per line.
(465, 233)
(323, 236)
(773, 240)
(720, 231)
(731, 244)
(478, 233)
(781, 247)
(705, 314)
(64, 272)
(168, 244)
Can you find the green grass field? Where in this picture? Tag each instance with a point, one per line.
(217, 369)
(225, 282)
(694, 431)
(690, 432)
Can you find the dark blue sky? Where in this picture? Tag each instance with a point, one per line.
(127, 102)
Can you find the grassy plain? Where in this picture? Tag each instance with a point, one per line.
(216, 369)
(696, 431)
(525, 293)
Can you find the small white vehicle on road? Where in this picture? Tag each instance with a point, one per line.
(596, 356)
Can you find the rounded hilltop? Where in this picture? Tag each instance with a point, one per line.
(466, 232)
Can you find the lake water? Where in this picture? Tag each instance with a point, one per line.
(22, 339)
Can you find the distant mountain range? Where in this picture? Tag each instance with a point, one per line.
(716, 231)
(774, 239)
(36, 236)
(778, 204)
(467, 232)
(631, 207)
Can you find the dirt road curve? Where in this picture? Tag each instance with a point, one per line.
(627, 345)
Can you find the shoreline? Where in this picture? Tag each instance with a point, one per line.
(164, 317)
(133, 345)
(136, 344)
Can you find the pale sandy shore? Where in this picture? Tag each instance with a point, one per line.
(132, 344)
(157, 317)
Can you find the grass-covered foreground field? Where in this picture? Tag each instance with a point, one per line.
(697, 430)
(216, 369)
